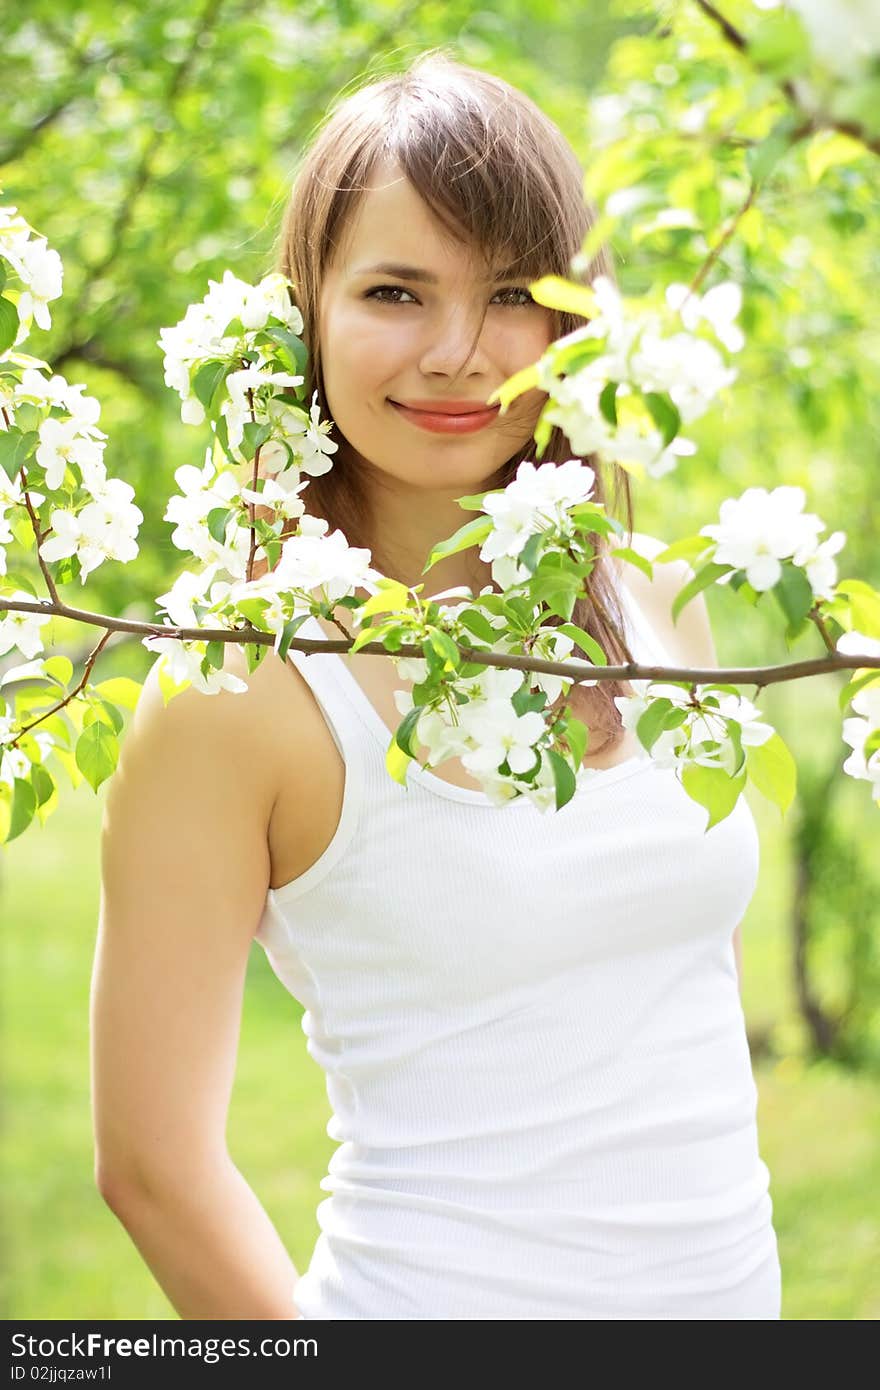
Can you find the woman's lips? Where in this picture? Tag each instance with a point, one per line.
(440, 423)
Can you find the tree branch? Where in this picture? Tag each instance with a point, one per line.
(758, 676)
(814, 120)
(138, 180)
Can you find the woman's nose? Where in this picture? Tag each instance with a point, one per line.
(454, 342)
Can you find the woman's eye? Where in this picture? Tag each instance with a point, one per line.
(519, 289)
(386, 289)
(379, 290)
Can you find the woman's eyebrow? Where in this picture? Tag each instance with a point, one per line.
(414, 272)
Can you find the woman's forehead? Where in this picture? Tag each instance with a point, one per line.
(392, 227)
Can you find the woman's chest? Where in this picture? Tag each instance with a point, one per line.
(311, 770)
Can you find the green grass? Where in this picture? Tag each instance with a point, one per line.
(69, 1258)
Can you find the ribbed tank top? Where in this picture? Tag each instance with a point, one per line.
(533, 1041)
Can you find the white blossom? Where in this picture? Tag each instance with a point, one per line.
(312, 445)
(13, 761)
(311, 558)
(719, 307)
(818, 564)
(688, 369)
(63, 442)
(857, 730)
(38, 267)
(691, 741)
(20, 629)
(104, 529)
(284, 500)
(759, 529)
(537, 499)
(201, 336)
(844, 36)
(182, 659)
(854, 643)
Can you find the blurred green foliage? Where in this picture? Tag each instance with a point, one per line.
(67, 1256)
(154, 147)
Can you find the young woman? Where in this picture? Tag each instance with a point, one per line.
(530, 1023)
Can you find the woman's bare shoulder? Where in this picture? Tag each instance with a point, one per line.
(687, 638)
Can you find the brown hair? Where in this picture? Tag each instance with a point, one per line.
(499, 175)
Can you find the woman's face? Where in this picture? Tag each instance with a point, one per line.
(410, 343)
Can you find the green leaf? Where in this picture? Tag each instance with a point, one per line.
(397, 762)
(773, 770)
(55, 725)
(214, 657)
(46, 792)
(829, 148)
(868, 676)
(734, 733)
(68, 762)
(24, 805)
(293, 350)
(167, 684)
(58, 668)
(254, 433)
(634, 557)
(107, 712)
(689, 548)
(16, 448)
(290, 630)
(569, 357)
(217, 519)
(608, 402)
(713, 788)
(515, 385)
(664, 413)
(587, 643)
(207, 380)
(390, 597)
(96, 753)
(555, 292)
(8, 323)
(253, 610)
(472, 533)
(15, 579)
(530, 555)
(477, 623)
(374, 632)
(780, 44)
(564, 778)
(527, 701)
(576, 736)
(122, 690)
(558, 589)
(406, 729)
(43, 783)
(473, 502)
(762, 158)
(28, 417)
(794, 596)
(445, 648)
(543, 431)
(701, 580)
(651, 724)
(864, 606)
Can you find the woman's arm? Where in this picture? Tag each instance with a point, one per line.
(184, 872)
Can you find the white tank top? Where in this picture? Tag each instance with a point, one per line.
(534, 1047)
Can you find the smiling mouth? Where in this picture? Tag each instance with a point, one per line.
(444, 422)
(441, 409)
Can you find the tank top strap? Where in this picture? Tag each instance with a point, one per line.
(321, 673)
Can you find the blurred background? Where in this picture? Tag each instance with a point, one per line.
(154, 147)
